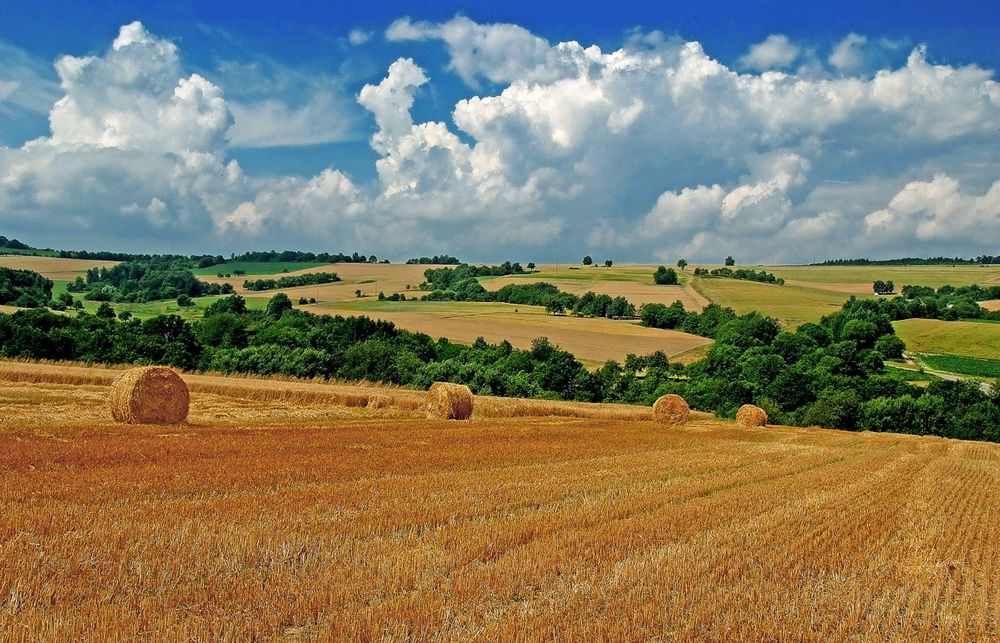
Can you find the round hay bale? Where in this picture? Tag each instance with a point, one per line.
(750, 415)
(149, 395)
(446, 401)
(671, 409)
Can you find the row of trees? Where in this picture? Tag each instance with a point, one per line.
(880, 287)
(912, 261)
(745, 274)
(443, 260)
(292, 281)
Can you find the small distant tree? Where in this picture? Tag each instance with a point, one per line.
(531, 265)
(665, 276)
(608, 263)
(303, 301)
(105, 311)
(357, 293)
(587, 260)
(184, 300)
(554, 307)
(682, 263)
(883, 287)
(381, 296)
(730, 261)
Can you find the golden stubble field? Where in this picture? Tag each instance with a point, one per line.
(294, 517)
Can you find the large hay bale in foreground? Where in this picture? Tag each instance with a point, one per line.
(446, 401)
(149, 395)
(750, 415)
(671, 409)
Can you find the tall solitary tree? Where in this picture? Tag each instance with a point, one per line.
(587, 260)
(682, 263)
(730, 261)
(608, 263)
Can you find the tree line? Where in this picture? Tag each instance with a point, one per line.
(911, 261)
(745, 274)
(292, 281)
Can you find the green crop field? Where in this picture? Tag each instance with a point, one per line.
(934, 276)
(971, 339)
(791, 305)
(258, 267)
(963, 365)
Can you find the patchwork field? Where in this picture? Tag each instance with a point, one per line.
(593, 341)
(635, 283)
(294, 514)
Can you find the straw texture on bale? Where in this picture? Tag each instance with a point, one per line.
(671, 409)
(379, 401)
(447, 401)
(750, 415)
(149, 395)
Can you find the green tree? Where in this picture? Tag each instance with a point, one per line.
(531, 265)
(608, 263)
(587, 260)
(682, 263)
(184, 300)
(105, 311)
(278, 305)
(665, 276)
(730, 261)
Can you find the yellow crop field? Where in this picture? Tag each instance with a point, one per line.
(54, 268)
(286, 515)
(592, 340)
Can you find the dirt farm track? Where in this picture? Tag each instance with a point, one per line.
(298, 511)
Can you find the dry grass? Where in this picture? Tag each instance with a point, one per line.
(369, 526)
(990, 304)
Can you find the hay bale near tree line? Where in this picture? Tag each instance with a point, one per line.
(446, 401)
(149, 395)
(750, 415)
(671, 410)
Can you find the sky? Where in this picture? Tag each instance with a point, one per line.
(776, 132)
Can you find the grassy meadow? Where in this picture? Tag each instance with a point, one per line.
(302, 511)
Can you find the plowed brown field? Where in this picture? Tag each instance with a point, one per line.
(288, 515)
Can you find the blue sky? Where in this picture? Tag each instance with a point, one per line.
(777, 131)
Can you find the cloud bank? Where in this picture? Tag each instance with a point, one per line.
(650, 151)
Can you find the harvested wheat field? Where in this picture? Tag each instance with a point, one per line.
(271, 516)
(54, 268)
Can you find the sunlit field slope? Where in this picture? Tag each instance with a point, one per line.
(592, 340)
(299, 517)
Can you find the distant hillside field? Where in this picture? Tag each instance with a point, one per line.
(972, 339)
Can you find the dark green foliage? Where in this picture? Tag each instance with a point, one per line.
(436, 259)
(307, 279)
(746, 274)
(24, 288)
(665, 276)
(587, 260)
(144, 280)
(730, 261)
(883, 287)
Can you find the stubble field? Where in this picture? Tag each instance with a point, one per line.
(341, 521)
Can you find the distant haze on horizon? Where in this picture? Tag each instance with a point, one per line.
(402, 135)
